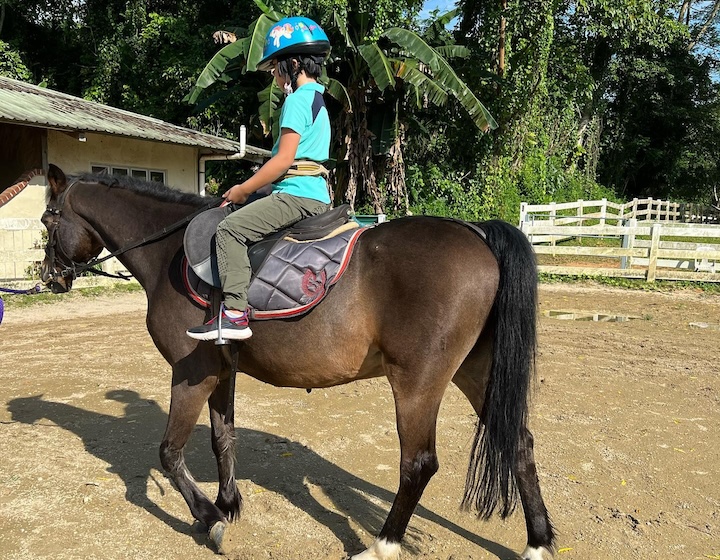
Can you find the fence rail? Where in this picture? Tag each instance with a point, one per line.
(652, 251)
(604, 211)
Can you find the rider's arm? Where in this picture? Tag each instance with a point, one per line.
(273, 169)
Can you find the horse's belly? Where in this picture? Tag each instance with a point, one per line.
(314, 368)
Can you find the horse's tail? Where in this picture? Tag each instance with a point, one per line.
(491, 481)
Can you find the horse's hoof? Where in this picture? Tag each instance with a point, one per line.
(380, 550)
(217, 534)
(532, 553)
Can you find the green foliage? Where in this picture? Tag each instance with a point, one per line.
(11, 64)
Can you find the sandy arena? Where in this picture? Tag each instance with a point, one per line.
(626, 417)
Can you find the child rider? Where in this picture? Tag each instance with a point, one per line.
(295, 49)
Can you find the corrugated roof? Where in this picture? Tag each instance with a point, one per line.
(22, 103)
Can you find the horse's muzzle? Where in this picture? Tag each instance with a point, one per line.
(53, 279)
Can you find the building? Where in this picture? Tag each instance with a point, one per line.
(39, 126)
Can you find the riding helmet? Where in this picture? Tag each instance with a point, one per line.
(293, 35)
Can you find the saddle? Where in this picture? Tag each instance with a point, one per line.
(292, 268)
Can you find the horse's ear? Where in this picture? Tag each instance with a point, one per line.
(57, 179)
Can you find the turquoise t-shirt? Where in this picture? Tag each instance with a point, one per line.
(297, 115)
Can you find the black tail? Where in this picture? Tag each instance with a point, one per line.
(491, 479)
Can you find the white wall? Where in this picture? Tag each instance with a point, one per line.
(180, 163)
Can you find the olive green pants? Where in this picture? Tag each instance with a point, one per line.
(247, 225)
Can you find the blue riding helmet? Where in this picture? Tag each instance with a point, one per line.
(293, 35)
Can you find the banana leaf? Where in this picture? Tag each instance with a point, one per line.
(338, 92)
(414, 46)
(217, 66)
(269, 110)
(453, 84)
(258, 31)
(378, 64)
(340, 23)
(453, 51)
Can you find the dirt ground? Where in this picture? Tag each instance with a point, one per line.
(626, 419)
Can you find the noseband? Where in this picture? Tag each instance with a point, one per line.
(71, 269)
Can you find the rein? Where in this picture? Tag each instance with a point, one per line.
(76, 268)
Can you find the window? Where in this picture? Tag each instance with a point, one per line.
(134, 172)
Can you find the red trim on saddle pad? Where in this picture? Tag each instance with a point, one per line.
(283, 313)
(192, 294)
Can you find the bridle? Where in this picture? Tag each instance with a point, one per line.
(70, 268)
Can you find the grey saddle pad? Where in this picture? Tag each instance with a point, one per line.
(289, 276)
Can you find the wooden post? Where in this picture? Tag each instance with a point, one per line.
(634, 208)
(628, 242)
(580, 215)
(553, 215)
(667, 211)
(654, 246)
(603, 211)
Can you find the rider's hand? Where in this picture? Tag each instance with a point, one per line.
(237, 194)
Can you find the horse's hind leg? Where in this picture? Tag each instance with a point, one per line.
(222, 420)
(471, 379)
(416, 408)
(541, 535)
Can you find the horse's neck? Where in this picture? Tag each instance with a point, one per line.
(121, 217)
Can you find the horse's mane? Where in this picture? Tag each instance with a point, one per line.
(156, 190)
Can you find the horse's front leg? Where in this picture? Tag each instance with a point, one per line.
(222, 420)
(186, 403)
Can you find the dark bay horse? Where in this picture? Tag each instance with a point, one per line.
(424, 301)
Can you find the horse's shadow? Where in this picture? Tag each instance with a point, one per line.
(129, 445)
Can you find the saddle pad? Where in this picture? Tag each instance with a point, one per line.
(296, 275)
(293, 279)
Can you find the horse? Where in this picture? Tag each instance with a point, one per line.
(424, 301)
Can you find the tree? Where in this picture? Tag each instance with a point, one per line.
(375, 70)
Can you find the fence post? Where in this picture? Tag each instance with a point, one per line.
(523, 214)
(628, 242)
(634, 208)
(654, 246)
(603, 211)
(579, 215)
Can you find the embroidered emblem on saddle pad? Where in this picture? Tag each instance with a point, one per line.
(290, 276)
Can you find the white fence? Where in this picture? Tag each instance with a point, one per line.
(22, 250)
(666, 249)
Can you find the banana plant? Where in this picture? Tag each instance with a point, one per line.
(376, 75)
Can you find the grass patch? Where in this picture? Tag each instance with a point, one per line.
(712, 288)
(17, 301)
